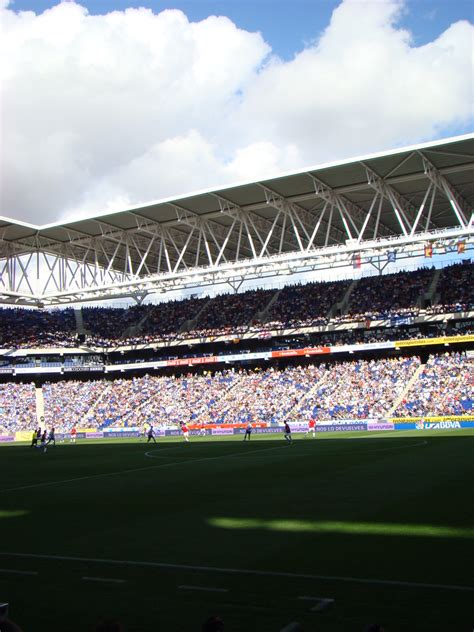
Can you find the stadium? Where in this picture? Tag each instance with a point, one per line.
(168, 345)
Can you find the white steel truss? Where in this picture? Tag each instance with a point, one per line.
(320, 228)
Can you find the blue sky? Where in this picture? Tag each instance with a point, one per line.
(104, 108)
(287, 25)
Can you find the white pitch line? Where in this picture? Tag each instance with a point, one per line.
(80, 478)
(181, 462)
(322, 602)
(307, 598)
(203, 588)
(136, 469)
(242, 571)
(104, 579)
(14, 572)
(291, 627)
(281, 447)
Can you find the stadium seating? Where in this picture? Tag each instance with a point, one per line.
(17, 407)
(391, 296)
(23, 328)
(445, 386)
(341, 390)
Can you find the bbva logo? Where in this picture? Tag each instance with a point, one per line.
(439, 425)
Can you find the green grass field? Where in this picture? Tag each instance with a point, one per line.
(382, 525)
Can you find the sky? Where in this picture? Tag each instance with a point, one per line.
(111, 103)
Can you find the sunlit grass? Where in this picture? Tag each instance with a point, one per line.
(13, 514)
(350, 528)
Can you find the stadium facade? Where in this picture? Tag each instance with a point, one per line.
(351, 213)
(413, 204)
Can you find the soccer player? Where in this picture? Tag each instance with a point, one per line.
(184, 430)
(248, 431)
(311, 427)
(151, 435)
(34, 439)
(43, 441)
(73, 434)
(51, 438)
(287, 434)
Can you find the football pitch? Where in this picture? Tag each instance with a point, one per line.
(333, 533)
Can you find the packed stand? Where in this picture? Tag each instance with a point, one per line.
(455, 289)
(172, 400)
(68, 403)
(305, 305)
(224, 397)
(123, 402)
(269, 395)
(108, 324)
(348, 390)
(394, 296)
(358, 390)
(154, 323)
(28, 328)
(389, 295)
(445, 386)
(17, 407)
(233, 313)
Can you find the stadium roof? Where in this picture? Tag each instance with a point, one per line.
(315, 217)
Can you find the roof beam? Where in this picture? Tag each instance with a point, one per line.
(458, 204)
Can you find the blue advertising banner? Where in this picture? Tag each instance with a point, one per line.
(434, 425)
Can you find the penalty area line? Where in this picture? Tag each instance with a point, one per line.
(242, 571)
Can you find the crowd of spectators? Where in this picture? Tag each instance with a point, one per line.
(141, 324)
(358, 390)
(110, 323)
(262, 395)
(27, 328)
(342, 390)
(399, 296)
(445, 386)
(306, 305)
(235, 314)
(390, 295)
(254, 311)
(17, 407)
(68, 403)
(455, 289)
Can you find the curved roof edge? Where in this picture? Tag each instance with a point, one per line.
(220, 189)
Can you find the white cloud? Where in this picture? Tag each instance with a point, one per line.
(103, 111)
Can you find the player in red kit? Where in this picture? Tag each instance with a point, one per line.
(184, 430)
